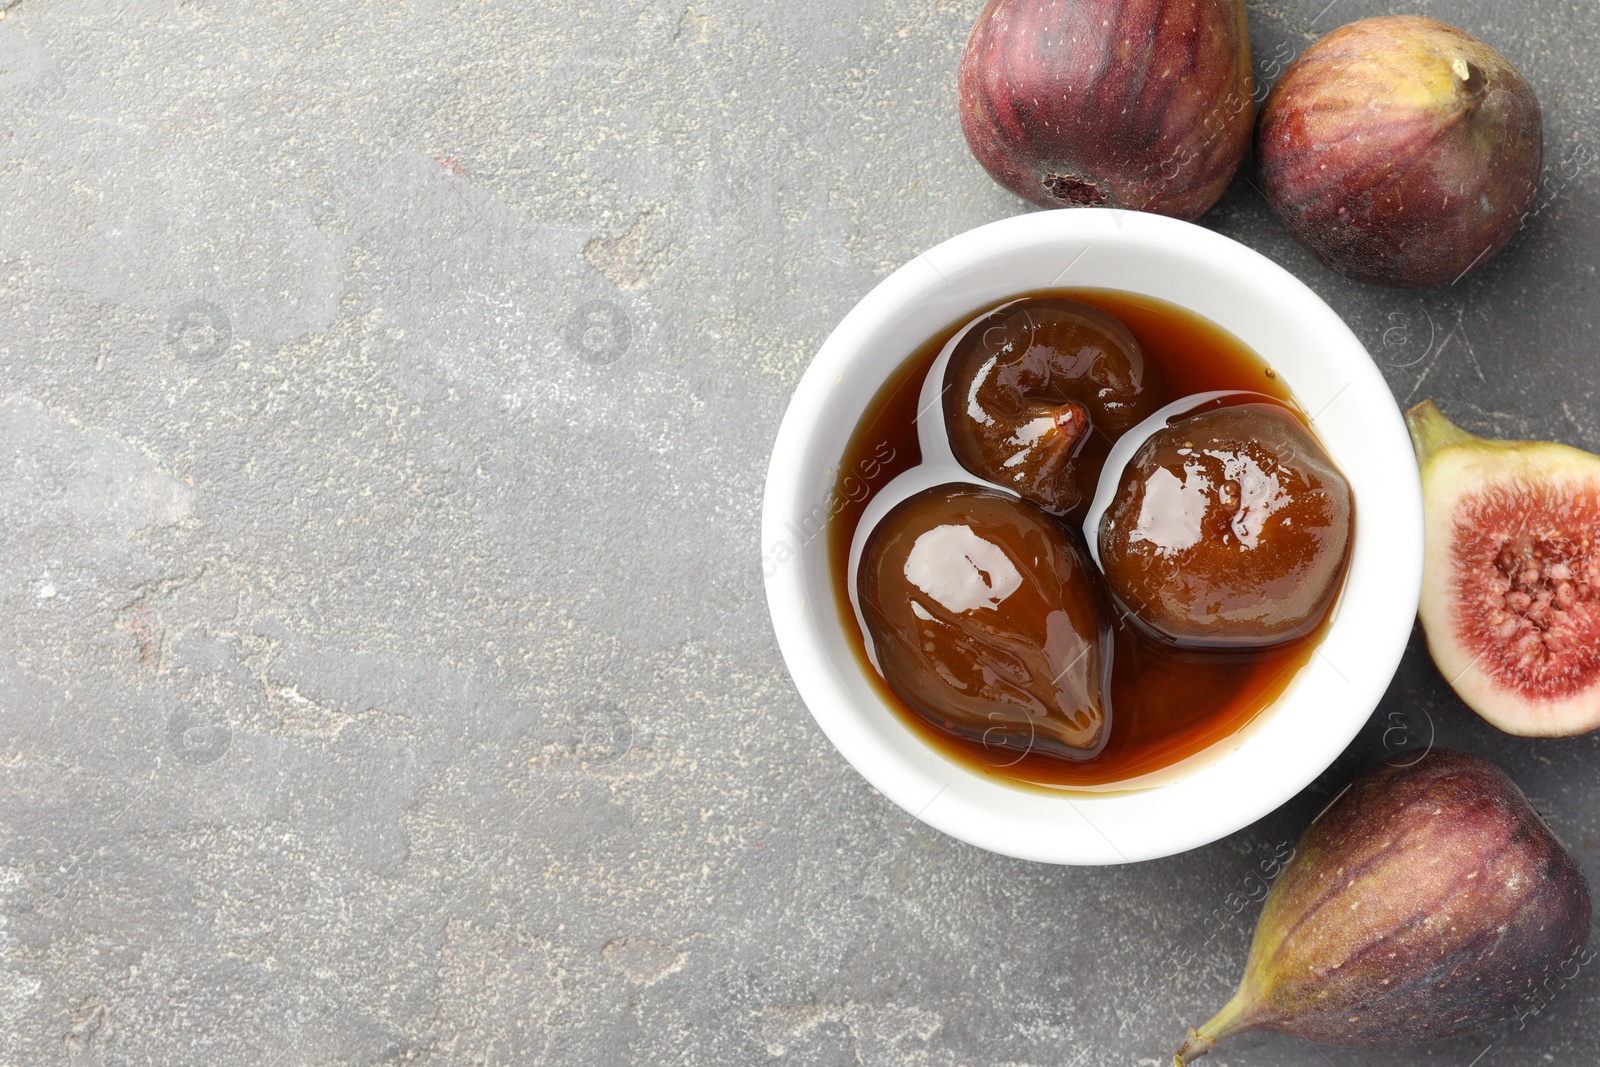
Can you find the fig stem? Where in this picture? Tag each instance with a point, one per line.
(1235, 1016)
(1194, 1046)
(1470, 81)
(1432, 433)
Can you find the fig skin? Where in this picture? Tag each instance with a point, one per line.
(986, 619)
(1427, 901)
(1141, 104)
(1401, 151)
(1511, 575)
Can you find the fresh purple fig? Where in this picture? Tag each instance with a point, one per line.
(1427, 901)
(1142, 104)
(1511, 576)
(1401, 151)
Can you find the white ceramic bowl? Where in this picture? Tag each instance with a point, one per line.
(1238, 780)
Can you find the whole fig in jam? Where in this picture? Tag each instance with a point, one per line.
(1427, 901)
(1141, 104)
(1036, 391)
(986, 620)
(1511, 575)
(1401, 150)
(1229, 528)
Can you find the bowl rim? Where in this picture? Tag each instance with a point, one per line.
(1241, 779)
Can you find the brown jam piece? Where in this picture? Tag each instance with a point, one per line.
(1229, 528)
(987, 621)
(1036, 391)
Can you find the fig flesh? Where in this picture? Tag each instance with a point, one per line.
(1401, 150)
(1511, 576)
(1229, 529)
(1036, 391)
(1141, 104)
(1427, 901)
(985, 618)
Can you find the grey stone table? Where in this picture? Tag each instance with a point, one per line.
(386, 391)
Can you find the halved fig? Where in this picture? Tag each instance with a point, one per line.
(1511, 576)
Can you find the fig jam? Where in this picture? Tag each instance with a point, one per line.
(1229, 528)
(1168, 702)
(987, 620)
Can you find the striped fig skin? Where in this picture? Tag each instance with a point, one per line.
(1389, 166)
(1140, 104)
(1427, 901)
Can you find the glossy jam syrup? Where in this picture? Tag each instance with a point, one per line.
(1169, 704)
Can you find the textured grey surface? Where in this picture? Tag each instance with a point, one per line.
(386, 391)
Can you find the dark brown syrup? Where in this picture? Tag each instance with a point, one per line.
(1168, 703)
